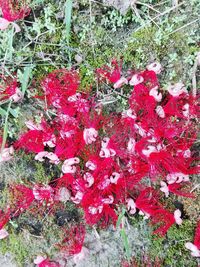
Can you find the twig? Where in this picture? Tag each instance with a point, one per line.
(194, 81)
(194, 188)
(184, 26)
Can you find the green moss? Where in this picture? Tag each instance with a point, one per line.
(172, 247)
(15, 245)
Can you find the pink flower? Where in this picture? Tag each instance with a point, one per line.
(129, 113)
(120, 83)
(39, 259)
(131, 206)
(160, 111)
(4, 23)
(53, 158)
(177, 217)
(108, 200)
(150, 149)
(17, 96)
(3, 233)
(78, 197)
(164, 188)
(91, 165)
(68, 165)
(155, 66)
(177, 178)
(144, 214)
(131, 145)
(6, 154)
(32, 126)
(114, 177)
(89, 179)
(51, 142)
(41, 155)
(186, 110)
(90, 135)
(106, 152)
(95, 210)
(136, 79)
(154, 92)
(177, 89)
(195, 252)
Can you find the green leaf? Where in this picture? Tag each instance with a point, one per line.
(5, 129)
(10, 45)
(67, 20)
(121, 215)
(14, 112)
(126, 244)
(24, 78)
(3, 112)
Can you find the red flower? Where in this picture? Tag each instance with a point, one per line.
(111, 74)
(4, 218)
(32, 141)
(14, 9)
(22, 198)
(180, 189)
(73, 241)
(164, 219)
(59, 85)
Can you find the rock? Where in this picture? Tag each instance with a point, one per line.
(121, 5)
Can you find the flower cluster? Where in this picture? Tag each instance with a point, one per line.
(107, 161)
(9, 89)
(13, 10)
(195, 246)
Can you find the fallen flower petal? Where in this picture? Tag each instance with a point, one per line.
(3, 234)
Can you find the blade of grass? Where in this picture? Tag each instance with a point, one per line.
(5, 129)
(3, 112)
(121, 215)
(126, 243)
(10, 45)
(26, 77)
(68, 15)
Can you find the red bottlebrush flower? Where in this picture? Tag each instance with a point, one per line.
(197, 236)
(32, 141)
(195, 246)
(73, 242)
(111, 74)
(161, 163)
(43, 193)
(98, 212)
(22, 198)
(41, 261)
(9, 89)
(150, 79)
(59, 85)
(4, 218)
(14, 9)
(147, 201)
(164, 219)
(180, 189)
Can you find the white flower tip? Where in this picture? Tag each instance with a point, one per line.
(155, 66)
(39, 259)
(89, 135)
(177, 217)
(3, 234)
